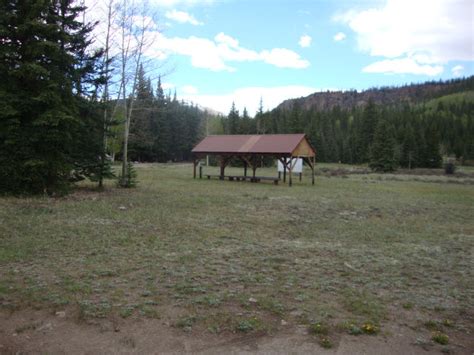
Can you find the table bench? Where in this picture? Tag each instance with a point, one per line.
(275, 180)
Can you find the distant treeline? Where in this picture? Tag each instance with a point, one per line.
(162, 128)
(418, 134)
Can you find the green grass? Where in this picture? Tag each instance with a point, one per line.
(357, 248)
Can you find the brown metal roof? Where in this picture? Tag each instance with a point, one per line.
(250, 144)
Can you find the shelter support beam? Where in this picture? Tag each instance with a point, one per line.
(224, 161)
(290, 182)
(245, 161)
(195, 163)
(311, 163)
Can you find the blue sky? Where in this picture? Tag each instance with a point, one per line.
(218, 51)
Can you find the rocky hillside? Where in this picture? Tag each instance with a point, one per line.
(414, 93)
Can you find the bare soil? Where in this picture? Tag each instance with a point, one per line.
(32, 331)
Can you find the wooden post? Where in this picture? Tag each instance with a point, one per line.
(223, 164)
(194, 168)
(254, 166)
(245, 168)
(284, 169)
(301, 176)
(200, 171)
(290, 182)
(312, 168)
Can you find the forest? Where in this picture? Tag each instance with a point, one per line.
(415, 134)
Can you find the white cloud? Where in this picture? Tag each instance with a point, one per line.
(215, 54)
(189, 90)
(249, 97)
(424, 31)
(340, 36)
(186, 3)
(284, 58)
(222, 38)
(402, 66)
(182, 17)
(457, 70)
(305, 41)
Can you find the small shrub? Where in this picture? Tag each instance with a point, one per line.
(449, 168)
(440, 338)
(325, 343)
(149, 312)
(130, 178)
(248, 325)
(355, 330)
(88, 309)
(126, 312)
(369, 328)
(432, 325)
(186, 322)
(318, 328)
(449, 165)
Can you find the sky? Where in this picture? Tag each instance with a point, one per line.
(215, 52)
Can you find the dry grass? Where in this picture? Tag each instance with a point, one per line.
(235, 256)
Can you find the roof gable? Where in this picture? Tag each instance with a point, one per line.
(251, 144)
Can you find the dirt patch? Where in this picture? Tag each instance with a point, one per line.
(43, 332)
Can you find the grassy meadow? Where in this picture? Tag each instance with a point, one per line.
(356, 253)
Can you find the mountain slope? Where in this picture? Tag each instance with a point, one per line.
(414, 93)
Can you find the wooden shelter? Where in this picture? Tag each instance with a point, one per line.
(249, 149)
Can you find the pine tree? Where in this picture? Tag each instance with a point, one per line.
(409, 154)
(294, 120)
(382, 153)
(160, 126)
(246, 123)
(432, 153)
(259, 119)
(48, 79)
(141, 139)
(233, 119)
(368, 127)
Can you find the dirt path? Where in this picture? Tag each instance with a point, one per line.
(41, 332)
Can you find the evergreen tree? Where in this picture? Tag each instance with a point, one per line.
(48, 81)
(259, 119)
(409, 154)
(432, 154)
(382, 153)
(160, 125)
(141, 139)
(233, 119)
(246, 123)
(294, 121)
(368, 126)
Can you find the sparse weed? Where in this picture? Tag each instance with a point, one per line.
(186, 322)
(369, 328)
(325, 342)
(318, 328)
(440, 338)
(248, 325)
(432, 325)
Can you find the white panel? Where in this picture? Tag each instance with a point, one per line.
(297, 165)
